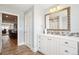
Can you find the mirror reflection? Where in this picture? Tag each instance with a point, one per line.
(59, 20)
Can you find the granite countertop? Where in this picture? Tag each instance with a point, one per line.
(60, 36)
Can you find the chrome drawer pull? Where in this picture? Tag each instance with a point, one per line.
(49, 39)
(66, 50)
(66, 42)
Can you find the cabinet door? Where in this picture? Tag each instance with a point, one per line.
(52, 46)
(43, 45)
(28, 29)
(68, 47)
(58, 46)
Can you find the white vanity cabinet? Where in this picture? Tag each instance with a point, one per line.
(52, 43)
(43, 45)
(69, 46)
(46, 44)
(58, 45)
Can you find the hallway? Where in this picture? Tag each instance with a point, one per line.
(9, 47)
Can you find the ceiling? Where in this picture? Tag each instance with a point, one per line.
(17, 7)
(7, 18)
(23, 7)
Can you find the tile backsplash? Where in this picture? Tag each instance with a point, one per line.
(64, 33)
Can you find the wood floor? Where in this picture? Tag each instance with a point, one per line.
(9, 47)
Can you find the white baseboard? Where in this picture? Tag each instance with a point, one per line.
(21, 44)
(33, 49)
(30, 48)
(0, 50)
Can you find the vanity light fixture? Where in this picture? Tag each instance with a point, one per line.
(51, 10)
(58, 7)
(54, 9)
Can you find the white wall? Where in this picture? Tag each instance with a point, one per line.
(21, 29)
(37, 24)
(75, 18)
(0, 32)
(39, 13)
(29, 30)
(36, 14)
(20, 22)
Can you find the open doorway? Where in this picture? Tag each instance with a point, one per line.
(9, 31)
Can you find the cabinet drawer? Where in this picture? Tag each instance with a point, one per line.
(68, 51)
(42, 37)
(52, 38)
(69, 43)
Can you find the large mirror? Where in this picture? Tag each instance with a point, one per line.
(59, 20)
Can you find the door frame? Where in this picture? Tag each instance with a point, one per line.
(17, 24)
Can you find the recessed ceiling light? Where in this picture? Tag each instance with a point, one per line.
(6, 16)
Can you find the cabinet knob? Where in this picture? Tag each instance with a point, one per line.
(66, 42)
(66, 50)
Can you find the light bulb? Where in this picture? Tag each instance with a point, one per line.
(51, 10)
(58, 8)
(54, 9)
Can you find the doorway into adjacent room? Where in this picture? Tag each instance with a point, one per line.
(9, 32)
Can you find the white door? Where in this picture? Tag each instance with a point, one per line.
(52, 46)
(43, 45)
(28, 29)
(0, 32)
